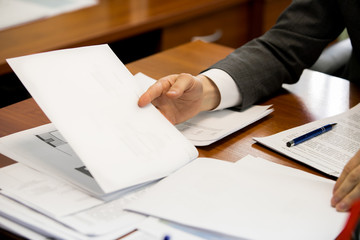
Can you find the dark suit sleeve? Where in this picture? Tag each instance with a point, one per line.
(261, 66)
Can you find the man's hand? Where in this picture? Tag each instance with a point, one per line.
(347, 188)
(181, 96)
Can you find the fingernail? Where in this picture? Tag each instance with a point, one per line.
(171, 92)
(341, 207)
(334, 201)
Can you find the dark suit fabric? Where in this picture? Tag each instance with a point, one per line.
(303, 30)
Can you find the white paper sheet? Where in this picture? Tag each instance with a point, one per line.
(209, 127)
(159, 228)
(20, 215)
(248, 199)
(328, 152)
(86, 225)
(66, 204)
(42, 192)
(91, 98)
(107, 218)
(33, 220)
(20, 230)
(139, 235)
(45, 149)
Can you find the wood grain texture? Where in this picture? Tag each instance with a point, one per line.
(294, 104)
(108, 21)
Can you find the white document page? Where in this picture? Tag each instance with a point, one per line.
(209, 127)
(108, 218)
(20, 215)
(248, 200)
(46, 149)
(20, 230)
(66, 204)
(328, 152)
(42, 192)
(91, 98)
(35, 221)
(158, 228)
(139, 235)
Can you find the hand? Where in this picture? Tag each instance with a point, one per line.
(347, 188)
(181, 96)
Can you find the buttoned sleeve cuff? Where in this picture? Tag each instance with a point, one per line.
(229, 92)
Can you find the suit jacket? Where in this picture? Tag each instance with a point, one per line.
(303, 30)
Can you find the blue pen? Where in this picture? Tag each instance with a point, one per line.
(310, 135)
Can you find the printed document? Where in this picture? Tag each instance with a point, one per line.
(18, 214)
(251, 199)
(55, 199)
(103, 136)
(158, 228)
(209, 127)
(328, 152)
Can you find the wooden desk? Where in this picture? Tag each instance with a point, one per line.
(173, 22)
(113, 20)
(333, 97)
(292, 101)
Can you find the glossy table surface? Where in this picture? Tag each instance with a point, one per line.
(105, 22)
(294, 105)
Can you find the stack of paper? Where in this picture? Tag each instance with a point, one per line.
(102, 154)
(99, 141)
(99, 138)
(250, 199)
(207, 199)
(32, 202)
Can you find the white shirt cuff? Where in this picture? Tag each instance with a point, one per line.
(229, 92)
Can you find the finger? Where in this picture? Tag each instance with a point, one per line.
(346, 203)
(347, 190)
(156, 90)
(352, 164)
(144, 100)
(182, 83)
